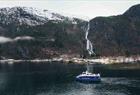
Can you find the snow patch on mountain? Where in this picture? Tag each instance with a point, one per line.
(30, 16)
(43, 13)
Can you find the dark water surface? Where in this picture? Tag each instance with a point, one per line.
(58, 79)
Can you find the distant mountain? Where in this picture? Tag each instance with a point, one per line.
(30, 16)
(117, 35)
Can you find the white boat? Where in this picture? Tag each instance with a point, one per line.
(88, 77)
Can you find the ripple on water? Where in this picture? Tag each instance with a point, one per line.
(108, 86)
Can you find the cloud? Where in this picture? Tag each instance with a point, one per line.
(7, 39)
(23, 38)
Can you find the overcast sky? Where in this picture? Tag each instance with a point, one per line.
(81, 8)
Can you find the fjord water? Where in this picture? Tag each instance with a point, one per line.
(56, 78)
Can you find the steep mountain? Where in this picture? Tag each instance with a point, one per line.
(117, 35)
(27, 33)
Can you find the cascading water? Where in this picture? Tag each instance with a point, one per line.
(89, 46)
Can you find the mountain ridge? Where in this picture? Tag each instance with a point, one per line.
(30, 16)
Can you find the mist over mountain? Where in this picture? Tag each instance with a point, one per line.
(28, 33)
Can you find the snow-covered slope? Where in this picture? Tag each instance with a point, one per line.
(30, 16)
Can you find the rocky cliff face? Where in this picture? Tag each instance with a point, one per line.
(117, 35)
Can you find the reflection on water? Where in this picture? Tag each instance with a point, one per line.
(58, 79)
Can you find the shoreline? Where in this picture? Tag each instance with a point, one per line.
(101, 60)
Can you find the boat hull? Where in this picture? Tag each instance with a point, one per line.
(87, 79)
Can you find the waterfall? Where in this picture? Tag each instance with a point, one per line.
(89, 46)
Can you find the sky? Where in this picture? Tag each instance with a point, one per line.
(86, 9)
